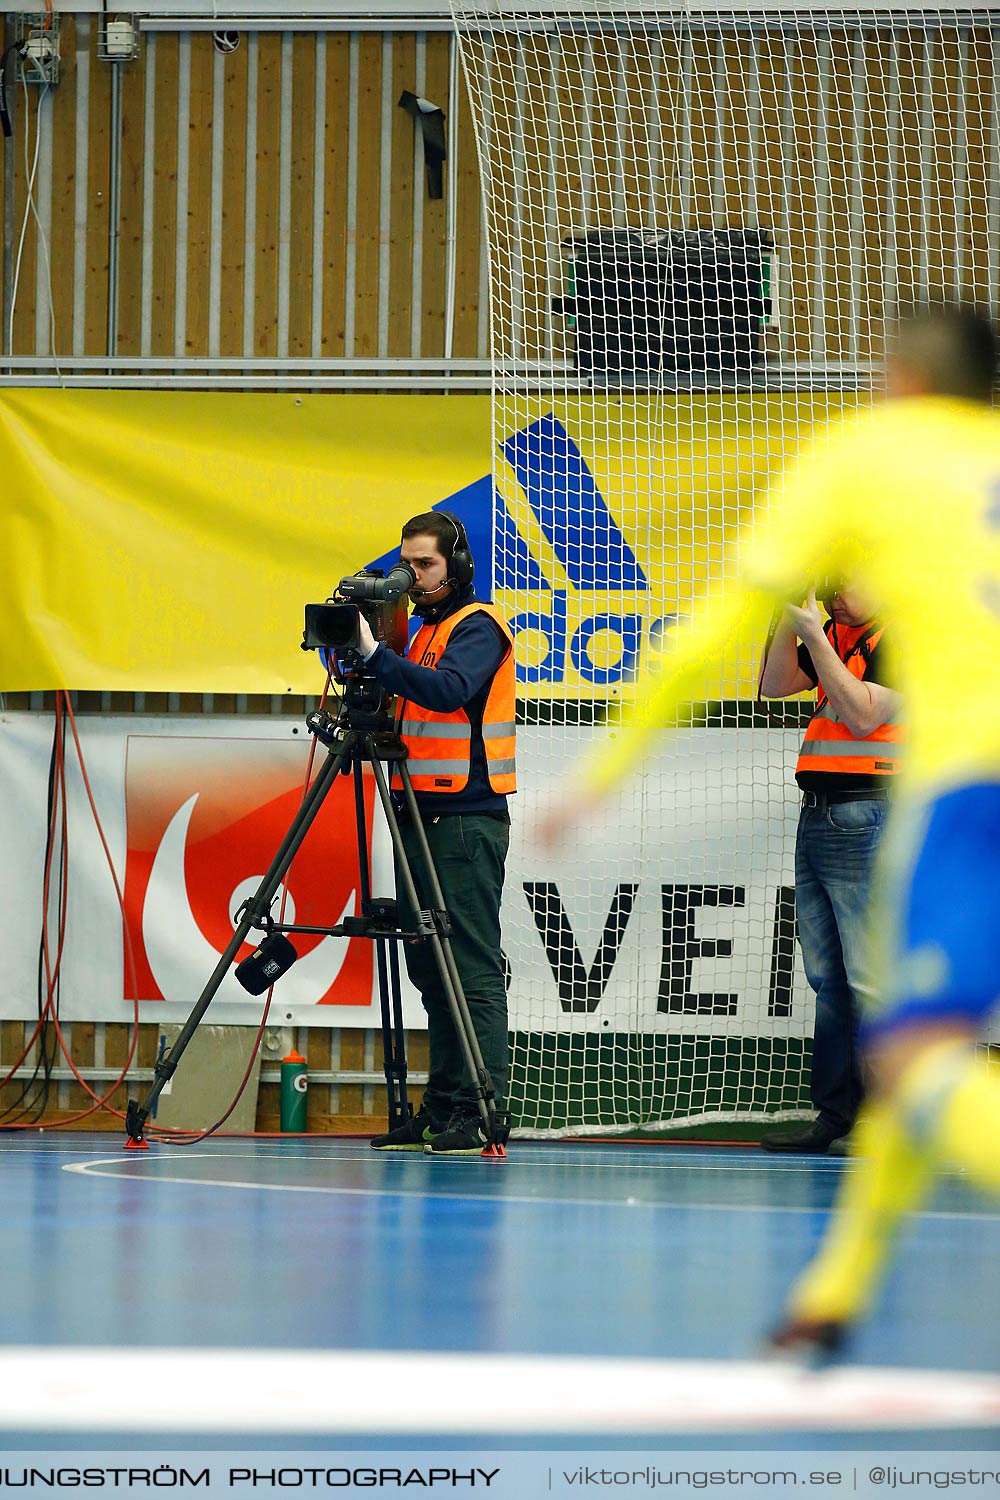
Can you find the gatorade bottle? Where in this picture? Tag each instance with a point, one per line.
(294, 1083)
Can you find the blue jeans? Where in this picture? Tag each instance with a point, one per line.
(834, 862)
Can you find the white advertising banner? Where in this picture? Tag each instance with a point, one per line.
(193, 811)
(664, 914)
(672, 909)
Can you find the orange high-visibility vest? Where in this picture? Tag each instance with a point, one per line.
(828, 744)
(439, 746)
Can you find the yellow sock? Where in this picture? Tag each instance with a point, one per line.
(888, 1178)
(946, 1105)
(968, 1118)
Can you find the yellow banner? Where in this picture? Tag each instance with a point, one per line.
(166, 541)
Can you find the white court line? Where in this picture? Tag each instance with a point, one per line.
(774, 1167)
(19, 1151)
(706, 1162)
(90, 1169)
(340, 1391)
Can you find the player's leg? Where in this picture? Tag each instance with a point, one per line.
(934, 1098)
(949, 982)
(887, 1179)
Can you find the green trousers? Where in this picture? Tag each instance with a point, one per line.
(469, 851)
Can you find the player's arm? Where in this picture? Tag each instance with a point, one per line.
(804, 530)
(664, 689)
(809, 514)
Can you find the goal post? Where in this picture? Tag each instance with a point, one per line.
(700, 223)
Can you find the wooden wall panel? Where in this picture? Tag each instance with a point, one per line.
(338, 67)
(772, 165)
(435, 224)
(98, 187)
(135, 161)
(735, 149)
(463, 181)
(25, 241)
(837, 166)
(303, 133)
(982, 122)
(233, 123)
(198, 230)
(63, 233)
(534, 194)
(868, 307)
(163, 149)
(703, 129)
(265, 338)
(801, 233)
(870, 151)
(367, 217)
(407, 178)
(911, 60)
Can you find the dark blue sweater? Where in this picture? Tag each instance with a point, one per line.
(462, 679)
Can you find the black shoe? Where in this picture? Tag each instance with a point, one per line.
(415, 1135)
(806, 1341)
(815, 1139)
(463, 1136)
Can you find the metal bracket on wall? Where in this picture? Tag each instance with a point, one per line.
(38, 33)
(117, 38)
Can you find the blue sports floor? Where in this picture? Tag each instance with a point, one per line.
(508, 1299)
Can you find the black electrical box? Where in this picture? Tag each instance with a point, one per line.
(644, 306)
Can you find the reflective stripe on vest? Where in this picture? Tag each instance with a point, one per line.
(829, 745)
(439, 746)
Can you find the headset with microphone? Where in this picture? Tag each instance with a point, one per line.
(461, 567)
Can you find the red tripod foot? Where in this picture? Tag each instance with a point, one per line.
(139, 1145)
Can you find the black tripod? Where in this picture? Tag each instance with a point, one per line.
(361, 734)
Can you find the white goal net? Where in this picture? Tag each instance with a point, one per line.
(700, 223)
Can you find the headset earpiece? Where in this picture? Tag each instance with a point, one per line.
(463, 568)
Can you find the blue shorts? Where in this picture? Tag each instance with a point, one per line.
(942, 888)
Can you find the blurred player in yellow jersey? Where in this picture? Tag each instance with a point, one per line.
(906, 500)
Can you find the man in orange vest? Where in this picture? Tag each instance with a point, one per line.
(852, 748)
(455, 708)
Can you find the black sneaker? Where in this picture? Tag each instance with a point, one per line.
(814, 1140)
(807, 1341)
(462, 1136)
(415, 1135)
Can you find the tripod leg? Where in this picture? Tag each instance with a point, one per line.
(398, 1030)
(164, 1069)
(444, 958)
(393, 1043)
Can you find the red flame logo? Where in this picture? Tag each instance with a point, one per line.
(204, 819)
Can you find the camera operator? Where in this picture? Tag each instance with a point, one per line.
(455, 705)
(851, 750)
